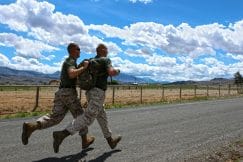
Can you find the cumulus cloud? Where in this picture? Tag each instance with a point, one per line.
(142, 1)
(236, 57)
(4, 61)
(143, 52)
(182, 39)
(167, 69)
(168, 52)
(40, 21)
(33, 15)
(161, 61)
(130, 67)
(26, 47)
(22, 63)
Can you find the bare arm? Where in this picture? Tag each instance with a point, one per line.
(74, 73)
(112, 71)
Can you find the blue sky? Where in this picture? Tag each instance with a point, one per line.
(163, 40)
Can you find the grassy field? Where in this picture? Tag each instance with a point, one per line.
(17, 99)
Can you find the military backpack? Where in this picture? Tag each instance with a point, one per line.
(87, 79)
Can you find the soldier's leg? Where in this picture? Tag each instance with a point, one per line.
(76, 110)
(86, 119)
(59, 111)
(78, 123)
(45, 121)
(82, 121)
(103, 122)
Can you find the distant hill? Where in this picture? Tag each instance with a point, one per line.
(218, 81)
(125, 78)
(214, 81)
(24, 77)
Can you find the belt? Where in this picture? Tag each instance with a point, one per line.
(73, 87)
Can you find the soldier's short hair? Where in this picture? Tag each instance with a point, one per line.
(100, 47)
(71, 46)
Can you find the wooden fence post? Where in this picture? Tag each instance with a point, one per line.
(113, 95)
(219, 90)
(195, 90)
(237, 87)
(163, 93)
(207, 91)
(141, 94)
(180, 93)
(36, 98)
(229, 89)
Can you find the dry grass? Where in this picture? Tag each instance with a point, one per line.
(24, 100)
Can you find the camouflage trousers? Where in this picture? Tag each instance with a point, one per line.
(65, 99)
(95, 110)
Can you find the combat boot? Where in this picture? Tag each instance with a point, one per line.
(58, 137)
(113, 141)
(87, 140)
(28, 129)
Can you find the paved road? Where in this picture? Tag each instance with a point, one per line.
(150, 134)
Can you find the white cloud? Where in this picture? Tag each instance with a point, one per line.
(49, 58)
(182, 40)
(212, 61)
(172, 71)
(25, 47)
(4, 61)
(142, 1)
(22, 63)
(236, 57)
(161, 61)
(143, 52)
(130, 67)
(39, 20)
(45, 30)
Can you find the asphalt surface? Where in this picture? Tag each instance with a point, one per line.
(150, 134)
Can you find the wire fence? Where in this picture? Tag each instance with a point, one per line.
(26, 98)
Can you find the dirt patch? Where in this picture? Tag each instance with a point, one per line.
(231, 153)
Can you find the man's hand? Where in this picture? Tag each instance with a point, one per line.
(113, 72)
(85, 64)
(73, 73)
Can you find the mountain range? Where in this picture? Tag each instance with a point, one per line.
(10, 76)
(25, 77)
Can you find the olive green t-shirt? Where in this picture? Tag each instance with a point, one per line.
(65, 80)
(102, 75)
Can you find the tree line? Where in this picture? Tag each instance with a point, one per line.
(238, 79)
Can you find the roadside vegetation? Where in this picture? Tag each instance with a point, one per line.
(118, 106)
(23, 115)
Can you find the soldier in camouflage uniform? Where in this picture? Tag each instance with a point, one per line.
(95, 110)
(65, 99)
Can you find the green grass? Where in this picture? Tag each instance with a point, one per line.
(194, 99)
(120, 105)
(22, 115)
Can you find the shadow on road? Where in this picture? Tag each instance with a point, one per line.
(69, 158)
(103, 157)
(79, 157)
